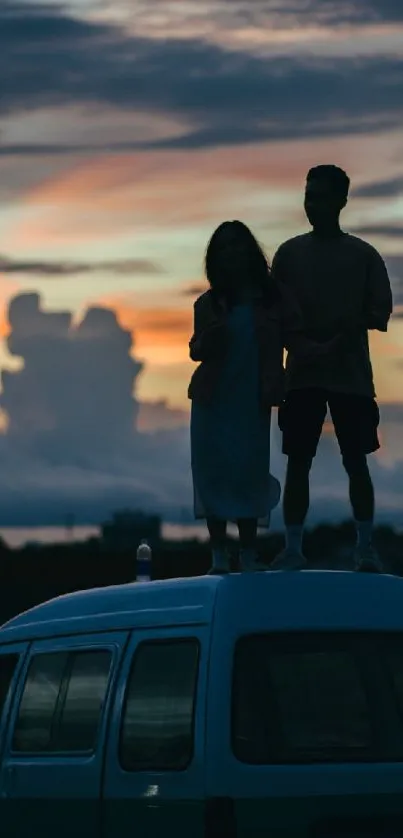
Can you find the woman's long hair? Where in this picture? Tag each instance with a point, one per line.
(234, 258)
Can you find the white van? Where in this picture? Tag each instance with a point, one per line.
(264, 705)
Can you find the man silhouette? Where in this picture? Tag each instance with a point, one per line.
(342, 286)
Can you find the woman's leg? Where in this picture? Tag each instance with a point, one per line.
(218, 532)
(248, 557)
(247, 533)
(218, 539)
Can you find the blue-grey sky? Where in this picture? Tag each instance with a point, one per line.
(129, 129)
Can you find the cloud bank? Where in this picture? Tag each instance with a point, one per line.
(73, 444)
(49, 59)
(66, 269)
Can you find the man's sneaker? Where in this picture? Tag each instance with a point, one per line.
(366, 560)
(249, 561)
(220, 564)
(289, 560)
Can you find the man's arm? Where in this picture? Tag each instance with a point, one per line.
(378, 305)
(295, 340)
(277, 265)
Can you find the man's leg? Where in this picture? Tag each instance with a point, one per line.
(301, 420)
(296, 500)
(296, 491)
(356, 421)
(363, 505)
(361, 488)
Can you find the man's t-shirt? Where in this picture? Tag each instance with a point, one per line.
(339, 283)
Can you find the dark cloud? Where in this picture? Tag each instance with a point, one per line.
(75, 389)
(380, 188)
(395, 268)
(194, 289)
(340, 12)
(391, 231)
(274, 13)
(72, 441)
(395, 265)
(49, 59)
(58, 269)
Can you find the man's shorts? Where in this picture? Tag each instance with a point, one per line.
(302, 414)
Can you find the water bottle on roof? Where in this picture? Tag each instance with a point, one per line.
(143, 561)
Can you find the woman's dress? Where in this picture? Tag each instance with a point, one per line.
(230, 436)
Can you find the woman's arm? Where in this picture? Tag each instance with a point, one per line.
(210, 338)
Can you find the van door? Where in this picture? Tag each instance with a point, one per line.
(154, 782)
(11, 659)
(53, 755)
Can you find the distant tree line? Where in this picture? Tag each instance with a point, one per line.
(35, 574)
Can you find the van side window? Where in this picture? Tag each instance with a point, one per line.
(157, 724)
(8, 665)
(33, 729)
(85, 696)
(62, 702)
(299, 699)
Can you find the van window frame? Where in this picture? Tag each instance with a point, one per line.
(388, 669)
(361, 655)
(70, 651)
(64, 688)
(21, 649)
(10, 656)
(161, 641)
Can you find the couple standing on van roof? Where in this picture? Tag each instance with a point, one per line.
(325, 289)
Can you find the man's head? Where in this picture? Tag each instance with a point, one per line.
(326, 194)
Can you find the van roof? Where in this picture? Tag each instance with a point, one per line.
(246, 602)
(166, 602)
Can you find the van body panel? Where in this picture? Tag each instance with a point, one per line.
(157, 802)
(277, 601)
(317, 600)
(119, 607)
(66, 794)
(51, 794)
(293, 801)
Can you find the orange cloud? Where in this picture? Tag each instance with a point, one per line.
(4, 325)
(168, 382)
(160, 339)
(161, 335)
(8, 288)
(108, 196)
(387, 354)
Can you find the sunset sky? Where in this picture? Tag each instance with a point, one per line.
(131, 128)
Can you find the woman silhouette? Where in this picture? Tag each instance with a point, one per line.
(241, 326)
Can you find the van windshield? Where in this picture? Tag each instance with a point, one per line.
(302, 698)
